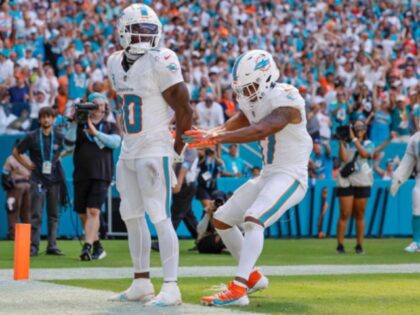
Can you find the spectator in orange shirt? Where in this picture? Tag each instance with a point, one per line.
(328, 81)
(228, 104)
(63, 82)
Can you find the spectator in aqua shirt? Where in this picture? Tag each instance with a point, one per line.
(64, 60)
(234, 166)
(357, 113)
(321, 164)
(78, 83)
(381, 124)
(401, 118)
(19, 46)
(88, 29)
(340, 111)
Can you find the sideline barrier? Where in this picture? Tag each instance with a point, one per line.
(385, 216)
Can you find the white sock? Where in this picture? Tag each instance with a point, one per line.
(168, 249)
(253, 246)
(139, 242)
(233, 239)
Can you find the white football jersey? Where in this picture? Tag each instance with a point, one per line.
(288, 150)
(145, 115)
(411, 159)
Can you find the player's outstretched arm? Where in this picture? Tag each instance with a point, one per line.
(404, 170)
(178, 98)
(237, 121)
(273, 123)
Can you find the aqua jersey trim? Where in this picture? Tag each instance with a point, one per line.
(271, 147)
(167, 187)
(280, 202)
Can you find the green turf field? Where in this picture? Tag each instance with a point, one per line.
(339, 294)
(347, 294)
(276, 252)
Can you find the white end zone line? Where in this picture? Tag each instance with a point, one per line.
(40, 298)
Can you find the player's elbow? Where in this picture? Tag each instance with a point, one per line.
(264, 131)
(188, 110)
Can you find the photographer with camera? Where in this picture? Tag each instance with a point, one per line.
(184, 191)
(94, 140)
(210, 167)
(354, 180)
(208, 241)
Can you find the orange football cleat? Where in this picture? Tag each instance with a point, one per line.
(256, 281)
(233, 295)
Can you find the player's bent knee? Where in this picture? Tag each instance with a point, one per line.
(250, 226)
(253, 221)
(220, 225)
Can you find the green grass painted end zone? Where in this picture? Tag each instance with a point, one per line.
(346, 294)
(275, 253)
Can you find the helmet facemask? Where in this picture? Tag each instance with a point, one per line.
(248, 92)
(141, 37)
(253, 91)
(254, 74)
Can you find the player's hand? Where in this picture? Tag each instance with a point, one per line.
(195, 135)
(197, 138)
(91, 128)
(395, 185)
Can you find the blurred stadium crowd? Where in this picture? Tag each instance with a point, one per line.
(351, 60)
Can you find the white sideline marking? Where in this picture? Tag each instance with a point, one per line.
(119, 273)
(40, 298)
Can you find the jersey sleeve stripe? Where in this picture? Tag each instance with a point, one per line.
(262, 152)
(280, 202)
(271, 148)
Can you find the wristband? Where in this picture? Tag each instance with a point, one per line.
(354, 140)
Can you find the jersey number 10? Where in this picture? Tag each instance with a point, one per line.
(131, 112)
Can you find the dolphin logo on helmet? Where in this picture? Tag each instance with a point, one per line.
(254, 73)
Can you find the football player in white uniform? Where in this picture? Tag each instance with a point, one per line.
(410, 161)
(273, 114)
(147, 79)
